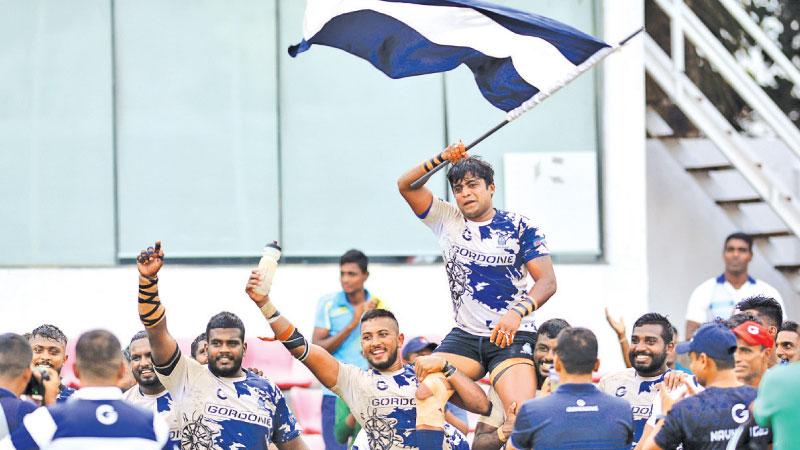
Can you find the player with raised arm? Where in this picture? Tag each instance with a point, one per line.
(384, 399)
(218, 406)
(488, 254)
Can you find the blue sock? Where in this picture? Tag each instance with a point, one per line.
(430, 439)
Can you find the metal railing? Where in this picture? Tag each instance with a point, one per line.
(684, 22)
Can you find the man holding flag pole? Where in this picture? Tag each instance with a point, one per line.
(518, 60)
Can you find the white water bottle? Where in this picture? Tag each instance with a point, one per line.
(267, 266)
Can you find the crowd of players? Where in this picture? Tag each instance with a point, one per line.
(729, 386)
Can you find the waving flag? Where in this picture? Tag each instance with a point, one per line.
(517, 58)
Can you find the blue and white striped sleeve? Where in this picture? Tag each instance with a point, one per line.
(37, 431)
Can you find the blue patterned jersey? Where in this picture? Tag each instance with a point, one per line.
(485, 263)
(385, 405)
(160, 404)
(639, 391)
(244, 412)
(64, 393)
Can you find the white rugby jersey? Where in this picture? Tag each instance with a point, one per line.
(385, 405)
(244, 412)
(639, 391)
(93, 418)
(160, 404)
(485, 263)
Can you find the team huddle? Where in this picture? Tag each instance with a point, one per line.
(548, 401)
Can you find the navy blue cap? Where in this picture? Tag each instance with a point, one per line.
(714, 339)
(417, 344)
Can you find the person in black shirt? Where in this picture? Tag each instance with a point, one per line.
(708, 420)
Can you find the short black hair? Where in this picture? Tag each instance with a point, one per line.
(470, 165)
(357, 257)
(766, 307)
(675, 333)
(196, 344)
(51, 332)
(724, 363)
(740, 318)
(98, 353)
(225, 319)
(742, 237)
(552, 327)
(15, 355)
(577, 350)
(126, 353)
(789, 326)
(657, 319)
(378, 313)
(142, 334)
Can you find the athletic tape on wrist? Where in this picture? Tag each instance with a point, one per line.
(151, 311)
(268, 310)
(433, 162)
(274, 318)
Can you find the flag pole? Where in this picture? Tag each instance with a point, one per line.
(530, 104)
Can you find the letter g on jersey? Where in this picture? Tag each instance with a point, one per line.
(106, 414)
(740, 413)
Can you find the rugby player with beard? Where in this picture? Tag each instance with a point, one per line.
(651, 340)
(49, 346)
(219, 405)
(148, 392)
(545, 350)
(385, 398)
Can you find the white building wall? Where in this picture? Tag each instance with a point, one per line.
(80, 299)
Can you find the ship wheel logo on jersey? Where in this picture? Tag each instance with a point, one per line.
(457, 275)
(380, 431)
(196, 435)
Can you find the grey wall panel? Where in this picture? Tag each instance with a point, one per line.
(197, 126)
(56, 160)
(347, 133)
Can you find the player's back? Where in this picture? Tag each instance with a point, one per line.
(709, 419)
(96, 418)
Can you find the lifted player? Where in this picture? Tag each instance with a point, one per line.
(488, 254)
(385, 399)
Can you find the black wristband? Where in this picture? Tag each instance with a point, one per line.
(448, 370)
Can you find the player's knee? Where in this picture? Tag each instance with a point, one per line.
(432, 395)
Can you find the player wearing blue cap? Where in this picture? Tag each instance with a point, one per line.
(708, 419)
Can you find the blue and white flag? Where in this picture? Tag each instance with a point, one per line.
(518, 58)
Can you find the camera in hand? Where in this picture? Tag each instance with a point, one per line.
(35, 388)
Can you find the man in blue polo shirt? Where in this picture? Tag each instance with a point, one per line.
(96, 417)
(708, 420)
(577, 414)
(15, 373)
(336, 329)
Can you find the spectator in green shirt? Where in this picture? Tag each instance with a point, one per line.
(777, 405)
(346, 427)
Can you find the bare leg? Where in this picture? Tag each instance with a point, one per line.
(516, 384)
(467, 366)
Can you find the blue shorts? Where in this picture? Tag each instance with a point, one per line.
(478, 348)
